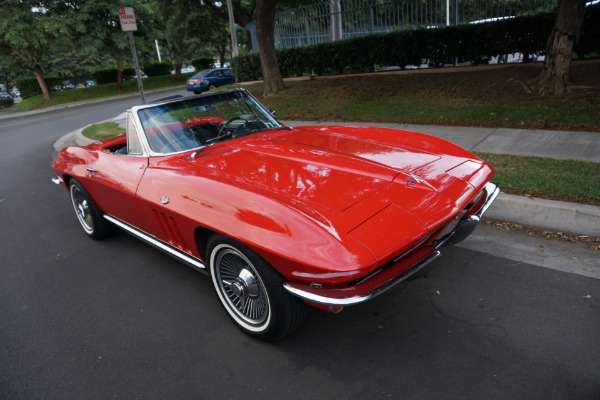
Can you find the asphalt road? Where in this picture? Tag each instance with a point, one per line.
(81, 319)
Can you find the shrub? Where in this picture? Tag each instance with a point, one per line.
(471, 42)
(128, 73)
(105, 75)
(201, 63)
(247, 67)
(589, 39)
(155, 68)
(6, 102)
(30, 87)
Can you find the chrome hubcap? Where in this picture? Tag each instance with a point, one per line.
(241, 286)
(82, 209)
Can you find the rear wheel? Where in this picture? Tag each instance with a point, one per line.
(212, 86)
(87, 212)
(252, 292)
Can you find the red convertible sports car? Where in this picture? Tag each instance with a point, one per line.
(278, 217)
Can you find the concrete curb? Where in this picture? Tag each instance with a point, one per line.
(549, 214)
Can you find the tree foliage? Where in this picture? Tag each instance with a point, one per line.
(95, 24)
(183, 35)
(28, 34)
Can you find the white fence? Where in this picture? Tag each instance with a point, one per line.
(342, 19)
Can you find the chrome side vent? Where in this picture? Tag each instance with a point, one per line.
(170, 230)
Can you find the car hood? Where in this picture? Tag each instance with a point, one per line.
(333, 167)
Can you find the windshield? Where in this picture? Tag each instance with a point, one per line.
(201, 121)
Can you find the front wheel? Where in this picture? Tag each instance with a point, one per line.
(252, 292)
(87, 212)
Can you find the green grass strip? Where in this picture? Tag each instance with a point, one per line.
(102, 130)
(100, 92)
(565, 180)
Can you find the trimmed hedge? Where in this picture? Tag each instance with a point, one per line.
(6, 102)
(201, 63)
(589, 39)
(128, 73)
(105, 75)
(155, 68)
(109, 75)
(30, 87)
(476, 43)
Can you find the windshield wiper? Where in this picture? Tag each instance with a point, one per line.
(252, 131)
(217, 138)
(209, 142)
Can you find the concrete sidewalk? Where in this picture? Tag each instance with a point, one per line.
(584, 146)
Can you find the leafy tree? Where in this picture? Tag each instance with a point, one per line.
(243, 12)
(207, 24)
(28, 33)
(95, 24)
(183, 36)
(74, 62)
(265, 34)
(555, 78)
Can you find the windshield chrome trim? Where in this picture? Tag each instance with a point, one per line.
(142, 133)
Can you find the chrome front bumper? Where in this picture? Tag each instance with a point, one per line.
(361, 292)
(390, 277)
(467, 224)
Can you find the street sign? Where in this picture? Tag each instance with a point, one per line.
(129, 25)
(127, 18)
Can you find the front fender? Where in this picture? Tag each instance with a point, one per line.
(299, 242)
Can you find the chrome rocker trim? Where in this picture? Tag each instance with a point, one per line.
(160, 245)
(337, 297)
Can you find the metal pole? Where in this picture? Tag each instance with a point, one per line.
(157, 50)
(333, 32)
(138, 72)
(338, 20)
(232, 29)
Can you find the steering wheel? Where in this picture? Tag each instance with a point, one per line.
(244, 120)
(226, 124)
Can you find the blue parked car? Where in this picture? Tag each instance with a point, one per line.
(209, 79)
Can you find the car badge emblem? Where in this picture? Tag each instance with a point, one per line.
(164, 200)
(411, 180)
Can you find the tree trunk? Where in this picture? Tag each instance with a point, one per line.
(178, 65)
(37, 72)
(555, 78)
(119, 84)
(265, 34)
(221, 50)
